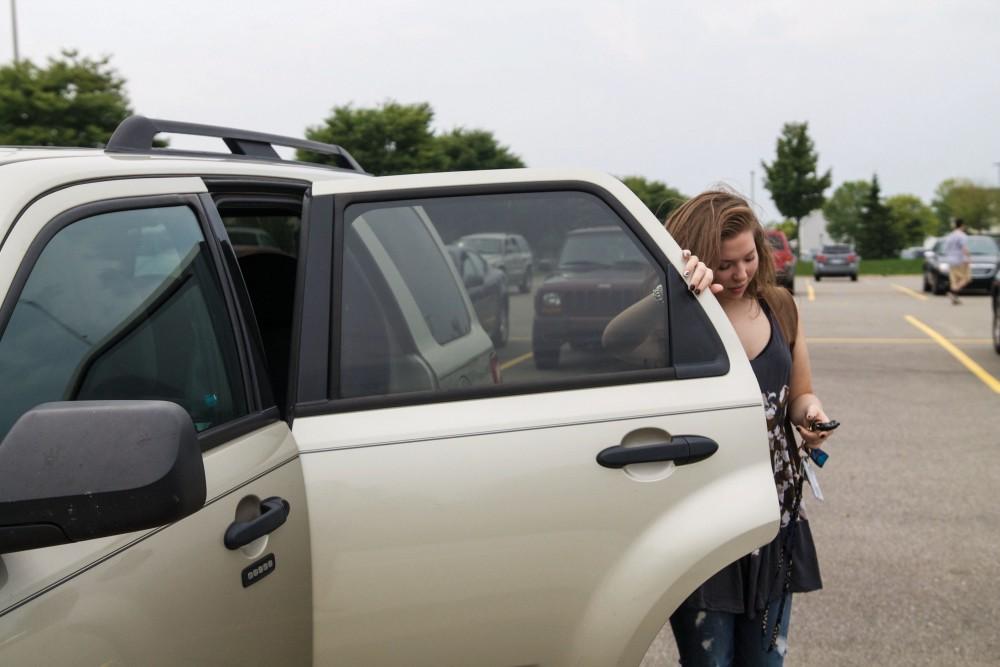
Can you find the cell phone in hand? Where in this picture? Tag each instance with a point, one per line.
(825, 426)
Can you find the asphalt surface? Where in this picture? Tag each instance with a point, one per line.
(909, 535)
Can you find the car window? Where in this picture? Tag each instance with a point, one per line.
(837, 249)
(489, 246)
(589, 267)
(982, 245)
(275, 231)
(776, 242)
(469, 268)
(478, 263)
(123, 305)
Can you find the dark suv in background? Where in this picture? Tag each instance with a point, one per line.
(995, 291)
(599, 274)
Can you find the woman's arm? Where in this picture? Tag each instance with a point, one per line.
(804, 406)
(633, 325)
(644, 322)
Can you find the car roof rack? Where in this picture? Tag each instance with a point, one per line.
(135, 135)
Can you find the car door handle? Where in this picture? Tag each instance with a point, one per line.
(273, 513)
(681, 449)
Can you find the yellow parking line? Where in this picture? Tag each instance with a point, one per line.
(909, 292)
(973, 367)
(810, 292)
(516, 361)
(896, 341)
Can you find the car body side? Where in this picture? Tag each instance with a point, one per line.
(441, 489)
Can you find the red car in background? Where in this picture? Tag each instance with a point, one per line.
(784, 259)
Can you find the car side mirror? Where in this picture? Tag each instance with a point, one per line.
(77, 470)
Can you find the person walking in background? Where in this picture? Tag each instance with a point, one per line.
(956, 253)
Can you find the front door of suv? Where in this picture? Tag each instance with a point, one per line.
(114, 291)
(471, 523)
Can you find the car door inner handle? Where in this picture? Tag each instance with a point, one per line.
(273, 513)
(681, 449)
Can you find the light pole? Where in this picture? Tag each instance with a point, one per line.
(13, 25)
(997, 165)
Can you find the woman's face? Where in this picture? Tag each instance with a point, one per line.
(737, 265)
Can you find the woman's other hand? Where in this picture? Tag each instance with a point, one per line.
(810, 438)
(698, 276)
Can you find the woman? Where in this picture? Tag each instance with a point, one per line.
(743, 611)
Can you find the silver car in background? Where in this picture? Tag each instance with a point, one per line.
(507, 252)
(838, 259)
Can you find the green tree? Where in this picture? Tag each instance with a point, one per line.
(391, 139)
(73, 101)
(396, 138)
(977, 205)
(913, 219)
(786, 226)
(467, 150)
(843, 210)
(877, 236)
(795, 186)
(658, 197)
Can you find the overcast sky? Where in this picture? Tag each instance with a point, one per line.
(692, 93)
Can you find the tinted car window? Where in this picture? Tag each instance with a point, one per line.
(123, 305)
(417, 256)
(486, 245)
(590, 268)
(982, 245)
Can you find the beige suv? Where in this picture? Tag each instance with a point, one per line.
(307, 451)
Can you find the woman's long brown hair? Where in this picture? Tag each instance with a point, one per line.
(703, 222)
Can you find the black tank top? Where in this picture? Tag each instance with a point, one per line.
(751, 583)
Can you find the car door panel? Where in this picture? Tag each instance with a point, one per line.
(449, 526)
(172, 595)
(480, 534)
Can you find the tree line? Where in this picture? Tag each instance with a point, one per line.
(78, 101)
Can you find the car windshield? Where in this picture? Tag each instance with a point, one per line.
(837, 249)
(598, 250)
(982, 245)
(484, 245)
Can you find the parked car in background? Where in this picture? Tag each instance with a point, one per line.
(836, 259)
(487, 288)
(507, 252)
(784, 259)
(600, 272)
(913, 252)
(984, 254)
(995, 292)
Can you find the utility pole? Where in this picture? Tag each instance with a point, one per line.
(997, 165)
(13, 25)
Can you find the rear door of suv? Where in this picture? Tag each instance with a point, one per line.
(521, 516)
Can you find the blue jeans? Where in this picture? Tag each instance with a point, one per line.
(719, 639)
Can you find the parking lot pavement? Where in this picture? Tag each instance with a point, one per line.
(909, 534)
